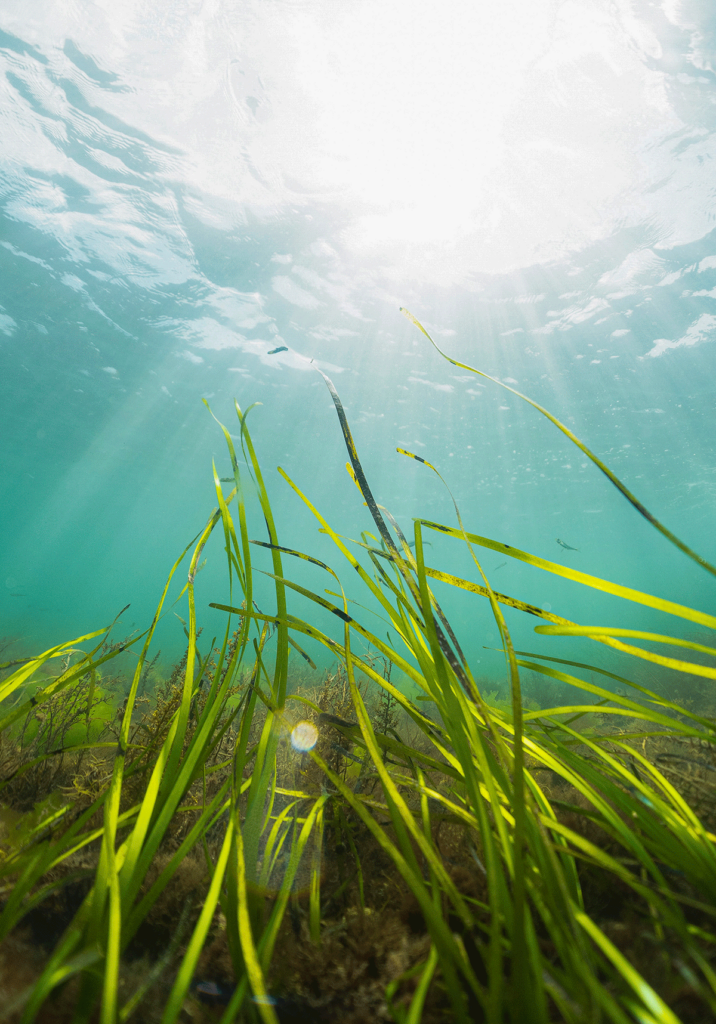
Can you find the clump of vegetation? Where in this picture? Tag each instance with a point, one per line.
(239, 842)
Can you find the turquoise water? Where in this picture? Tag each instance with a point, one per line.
(184, 191)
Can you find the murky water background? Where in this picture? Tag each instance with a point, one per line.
(185, 188)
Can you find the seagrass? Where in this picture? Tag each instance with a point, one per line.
(212, 784)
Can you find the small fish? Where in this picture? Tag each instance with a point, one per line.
(640, 796)
(499, 566)
(327, 719)
(347, 753)
(281, 348)
(213, 992)
(287, 1009)
(567, 547)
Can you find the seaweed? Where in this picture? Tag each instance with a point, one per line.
(252, 841)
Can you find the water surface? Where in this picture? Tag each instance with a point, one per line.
(186, 189)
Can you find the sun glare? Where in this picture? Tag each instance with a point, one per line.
(441, 125)
(412, 97)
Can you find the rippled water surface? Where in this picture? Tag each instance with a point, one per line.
(198, 199)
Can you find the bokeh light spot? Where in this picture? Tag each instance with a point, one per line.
(304, 736)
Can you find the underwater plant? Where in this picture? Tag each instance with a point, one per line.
(453, 857)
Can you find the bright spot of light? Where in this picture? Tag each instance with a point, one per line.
(304, 736)
(487, 132)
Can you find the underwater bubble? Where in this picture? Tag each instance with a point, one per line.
(304, 736)
(546, 607)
